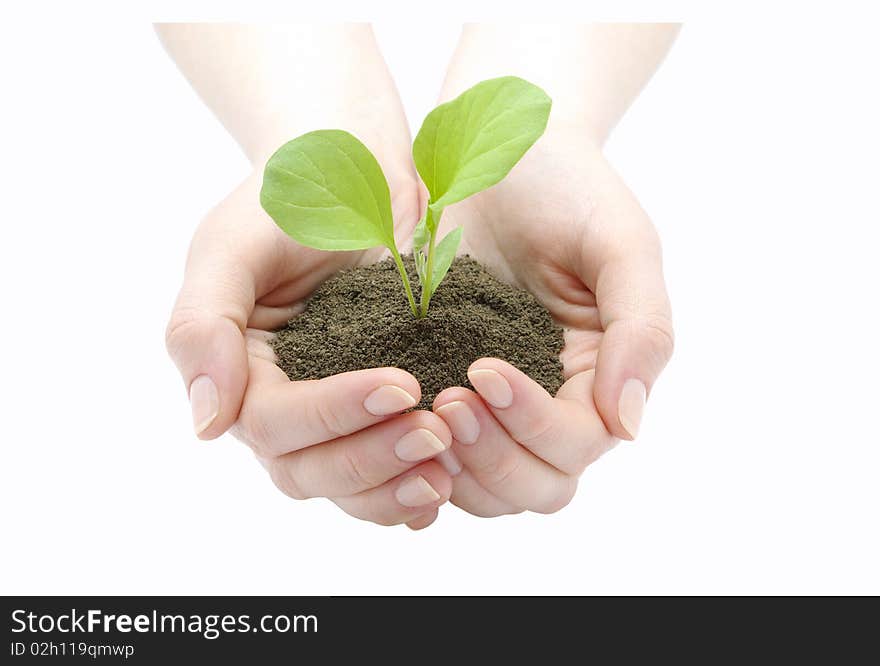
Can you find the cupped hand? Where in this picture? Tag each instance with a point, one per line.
(342, 437)
(564, 226)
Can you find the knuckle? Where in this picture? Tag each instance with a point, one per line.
(385, 520)
(583, 455)
(499, 469)
(375, 511)
(326, 418)
(661, 336)
(354, 472)
(283, 475)
(542, 433)
(255, 432)
(494, 511)
(559, 499)
(181, 329)
(191, 326)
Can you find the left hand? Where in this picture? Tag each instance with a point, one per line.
(564, 226)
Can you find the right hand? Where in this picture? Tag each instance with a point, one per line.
(564, 226)
(341, 437)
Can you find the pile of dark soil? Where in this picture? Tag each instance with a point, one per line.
(360, 319)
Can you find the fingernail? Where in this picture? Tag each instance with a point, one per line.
(387, 400)
(461, 421)
(418, 445)
(204, 401)
(450, 462)
(415, 491)
(493, 387)
(631, 406)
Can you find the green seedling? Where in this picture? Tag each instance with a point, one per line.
(327, 191)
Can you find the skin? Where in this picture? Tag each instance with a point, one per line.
(591, 256)
(244, 277)
(562, 225)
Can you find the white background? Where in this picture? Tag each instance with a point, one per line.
(755, 149)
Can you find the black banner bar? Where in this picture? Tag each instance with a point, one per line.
(268, 630)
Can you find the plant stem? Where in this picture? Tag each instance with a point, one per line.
(428, 287)
(405, 278)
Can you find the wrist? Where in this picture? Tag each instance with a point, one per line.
(591, 72)
(378, 122)
(270, 84)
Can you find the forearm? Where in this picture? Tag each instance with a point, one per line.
(268, 84)
(592, 72)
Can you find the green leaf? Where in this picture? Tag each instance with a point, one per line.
(471, 143)
(421, 235)
(444, 254)
(326, 190)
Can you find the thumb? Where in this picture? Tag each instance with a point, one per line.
(205, 335)
(638, 338)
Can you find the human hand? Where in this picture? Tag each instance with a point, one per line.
(338, 437)
(564, 226)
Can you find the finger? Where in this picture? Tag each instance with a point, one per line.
(279, 416)
(258, 346)
(205, 338)
(450, 462)
(503, 467)
(470, 496)
(227, 267)
(366, 459)
(638, 338)
(424, 520)
(567, 433)
(422, 489)
(269, 318)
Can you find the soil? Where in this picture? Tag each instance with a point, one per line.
(360, 319)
